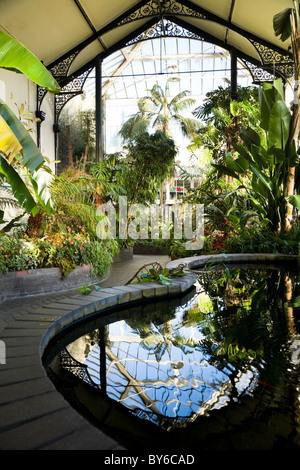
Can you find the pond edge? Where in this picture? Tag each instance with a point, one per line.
(100, 302)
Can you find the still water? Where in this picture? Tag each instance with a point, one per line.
(217, 369)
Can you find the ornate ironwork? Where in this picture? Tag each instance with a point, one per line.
(259, 75)
(281, 64)
(165, 29)
(161, 9)
(68, 363)
(61, 69)
(70, 90)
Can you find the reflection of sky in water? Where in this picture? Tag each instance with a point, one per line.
(178, 384)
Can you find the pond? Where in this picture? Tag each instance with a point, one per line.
(216, 369)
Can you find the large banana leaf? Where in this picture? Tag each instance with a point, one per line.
(19, 188)
(279, 124)
(9, 144)
(15, 56)
(271, 93)
(14, 139)
(32, 157)
(282, 24)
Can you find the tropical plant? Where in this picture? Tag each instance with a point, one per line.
(223, 119)
(159, 110)
(150, 160)
(287, 26)
(73, 196)
(16, 145)
(266, 158)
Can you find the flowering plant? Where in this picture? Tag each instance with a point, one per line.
(63, 250)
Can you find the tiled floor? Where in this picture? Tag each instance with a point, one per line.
(33, 415)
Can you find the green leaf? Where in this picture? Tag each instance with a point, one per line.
(234, 218)
(294, 303)
(263, 178)
(33, 158)
(250, 137)
(41, 192)
(226, 171)
(242, 151)
(16, 57)
(282, 24)
(19, 188)
(271, 93)
(294, 200)
(259, 156)
(239, 165)
(279, 125)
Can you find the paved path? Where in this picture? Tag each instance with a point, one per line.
(33, 415)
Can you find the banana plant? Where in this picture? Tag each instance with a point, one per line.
(264, 158)
(286, 26)
(17, 148)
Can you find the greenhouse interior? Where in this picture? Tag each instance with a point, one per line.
(149, 227)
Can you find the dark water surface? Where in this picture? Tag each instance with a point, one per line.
(216, 369)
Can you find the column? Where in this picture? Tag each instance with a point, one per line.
(234, 87)
(99, 110)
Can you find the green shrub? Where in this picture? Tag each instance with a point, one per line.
(255, 240)
(65, 251)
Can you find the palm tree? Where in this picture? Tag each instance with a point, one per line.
(159, 110)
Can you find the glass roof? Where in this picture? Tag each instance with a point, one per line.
(127, 75)
(188, 64)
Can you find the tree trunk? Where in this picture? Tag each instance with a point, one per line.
(87, 148)
(294, 128)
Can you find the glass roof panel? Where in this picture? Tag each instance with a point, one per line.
(191, 61)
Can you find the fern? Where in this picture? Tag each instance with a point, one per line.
(73, 196)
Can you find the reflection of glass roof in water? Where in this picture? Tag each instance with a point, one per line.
(159, 373)
(189, 64)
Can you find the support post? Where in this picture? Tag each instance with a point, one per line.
(234, 87)
(99, 110)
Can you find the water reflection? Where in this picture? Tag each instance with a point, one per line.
(233, 347)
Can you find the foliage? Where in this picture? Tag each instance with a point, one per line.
(286, 25)
(265, 158)
(16, 143)
(255, 240)
(223, 118)
(150, 160)
(74, 202)
(15, 56)
(158, 110)
(63, 250)
(109, 176)
(162, 276)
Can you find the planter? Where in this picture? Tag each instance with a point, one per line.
(124, 255)
(149, 250)
(20, 284)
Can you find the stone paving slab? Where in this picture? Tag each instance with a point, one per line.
(33, 415)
